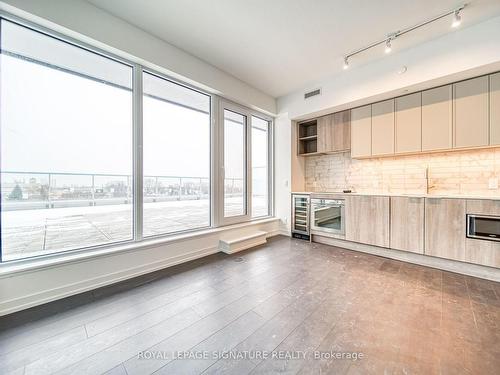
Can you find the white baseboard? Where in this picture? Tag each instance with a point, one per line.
(45, 296)
(469, 269)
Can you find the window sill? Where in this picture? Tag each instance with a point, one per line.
(54, 260)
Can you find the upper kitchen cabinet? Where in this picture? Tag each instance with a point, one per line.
(361, 132)
(495, 109)
(383, 128)
(437, 118)
(307, 138)
(334, 132)
(408, 125)
(470, 113)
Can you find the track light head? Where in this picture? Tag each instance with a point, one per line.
(346, 63)
(457, 19)
(388, 46)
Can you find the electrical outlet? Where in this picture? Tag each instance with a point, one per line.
(493, 183)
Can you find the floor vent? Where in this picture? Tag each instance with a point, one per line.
(312, 93)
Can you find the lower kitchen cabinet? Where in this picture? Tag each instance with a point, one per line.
(407, 224)
(367, 220)
(484, 252)
(445, 228)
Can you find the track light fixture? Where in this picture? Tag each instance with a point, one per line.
(346, 63)
(388, 47)
(457, 19)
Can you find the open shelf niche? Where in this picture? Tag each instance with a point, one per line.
(307, 137)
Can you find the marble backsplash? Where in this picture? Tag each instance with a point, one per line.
(455, 173)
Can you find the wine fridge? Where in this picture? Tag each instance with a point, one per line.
(300, 216)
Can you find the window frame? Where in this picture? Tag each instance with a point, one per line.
(216, 150)
(145, 70)
(105, 54)
(249, 114)
(270, 165)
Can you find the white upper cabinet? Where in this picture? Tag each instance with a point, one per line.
(495, 109)
(437, 119)
(408, 126)
(383, 128)
(470, 115)
(361, 132)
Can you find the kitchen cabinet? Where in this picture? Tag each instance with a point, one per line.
(470, 113)
(334, 132)
(445, 228)
(307, 138)
(367, 220)
(407, 224)
(408, 123)
(495, 109)
(361, 132)
(383, 128)
(437, 118)
(484, 252)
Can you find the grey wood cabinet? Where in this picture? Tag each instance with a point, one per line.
(383, 128)
(486, 253)
(367, 220)
(361, 131)
(471, 113)
(445, 228)
(495, 109)
(334, 132)
(437, 118)
(407, 224)
(408, 123)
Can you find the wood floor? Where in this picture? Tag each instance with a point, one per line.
(286, 298)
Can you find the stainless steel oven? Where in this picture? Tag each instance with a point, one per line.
(327, 215)
(483, 227)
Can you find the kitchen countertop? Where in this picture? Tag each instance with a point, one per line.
(435, 196)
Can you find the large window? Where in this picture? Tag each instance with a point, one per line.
(66, 145)
(176, 157)
(82, 132)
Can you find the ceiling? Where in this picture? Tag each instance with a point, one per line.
(279, 46)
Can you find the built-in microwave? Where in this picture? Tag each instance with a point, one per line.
(483, 227)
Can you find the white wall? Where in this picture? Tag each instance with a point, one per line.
(282, 170)
(83, 21)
